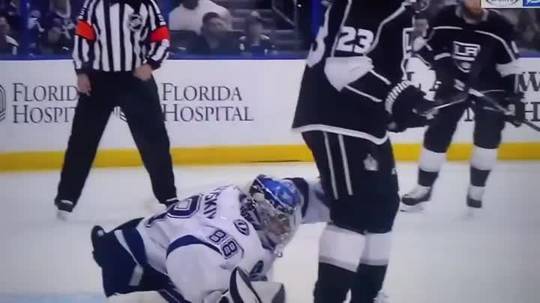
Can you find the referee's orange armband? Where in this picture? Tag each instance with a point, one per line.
(85, 30)
(160, 34)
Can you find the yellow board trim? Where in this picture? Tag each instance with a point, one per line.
(46, 160)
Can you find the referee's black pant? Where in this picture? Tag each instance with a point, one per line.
(140, 103)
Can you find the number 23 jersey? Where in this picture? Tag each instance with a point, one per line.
(378, 29)
(207, 238)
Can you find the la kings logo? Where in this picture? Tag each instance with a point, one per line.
(464, 55)
(3, 103)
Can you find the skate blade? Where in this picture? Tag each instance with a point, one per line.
(418, 208)
(63, 215)
(473, 212)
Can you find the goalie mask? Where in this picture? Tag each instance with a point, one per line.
(274, 208)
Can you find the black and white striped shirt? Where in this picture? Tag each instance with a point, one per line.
(119, 36)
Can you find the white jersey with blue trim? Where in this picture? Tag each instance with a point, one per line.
(200, 240)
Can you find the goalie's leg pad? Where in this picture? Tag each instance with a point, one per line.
(121, 257)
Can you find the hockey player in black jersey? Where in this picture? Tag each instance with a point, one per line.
(464, 37)
(353, 88)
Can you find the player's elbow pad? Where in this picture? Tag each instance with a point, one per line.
(342, 71)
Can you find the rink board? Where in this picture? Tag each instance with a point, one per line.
(226, 111)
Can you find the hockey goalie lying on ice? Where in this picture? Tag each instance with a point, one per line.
(209, 247)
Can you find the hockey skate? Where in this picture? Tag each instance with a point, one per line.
(64, 209)
(473, 203)
(95, 236)
(381, 298)
(414, 200)
(474, 200)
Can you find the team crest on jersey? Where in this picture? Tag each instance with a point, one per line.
(465, 54)
(370, 163)
(242, 226)
(135, 22)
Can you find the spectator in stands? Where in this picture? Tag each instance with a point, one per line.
(61, 8)
(35, 31)
(51, 32)
(528, 28)
(215, 38)
(8, 45)
(254, 40)
(57, 40)
(59, 14)
(9, 10)
(188, 16)
(435, 7)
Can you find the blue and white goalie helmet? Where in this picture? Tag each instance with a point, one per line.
(274, 207)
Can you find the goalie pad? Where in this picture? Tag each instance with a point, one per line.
(242, 290)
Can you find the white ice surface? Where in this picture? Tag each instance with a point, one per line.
(438, 256)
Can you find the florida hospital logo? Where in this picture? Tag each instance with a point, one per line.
(464, 55)
(503, 3)
(135, 22)
(3, 103)
(531, 3)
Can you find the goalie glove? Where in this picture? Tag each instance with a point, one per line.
(406, 104)
(342, 71)
(242, 290)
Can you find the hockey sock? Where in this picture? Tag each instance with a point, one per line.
(369, 278)
(368, 282)
(429, 167)
(482, 162)
(340, 251)
(333, 284)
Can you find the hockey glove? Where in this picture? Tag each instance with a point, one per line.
(516, 109)
(342, 71)
(407, 106)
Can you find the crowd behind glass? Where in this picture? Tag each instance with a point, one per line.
(252, 28)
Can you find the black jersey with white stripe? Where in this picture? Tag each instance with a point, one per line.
(120, 35)
(378, 29)
(454, 44)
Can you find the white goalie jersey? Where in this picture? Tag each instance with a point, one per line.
(199, 241)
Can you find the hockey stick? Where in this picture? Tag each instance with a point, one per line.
(493, 103)
(458, 99)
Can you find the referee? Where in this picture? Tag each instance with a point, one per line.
(118, 44)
